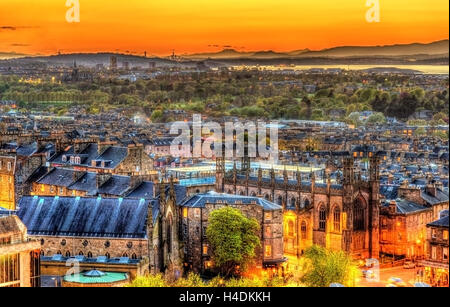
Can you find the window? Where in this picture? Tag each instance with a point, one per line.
(304, 230)
(307, 203)
(268, 216)
(280, 200)
(185, 212)
(268, 232)
(445, 253)
(433, 253)
(61, 191)
(337, 219)
(134, 256)
(89, 255)
(293, 202)
(322, 218)
(290, 228)
(204, 228)
(205, 249)
(445, 235)
(107, 255)
(67, 254)
(268, 251)
(358, 216)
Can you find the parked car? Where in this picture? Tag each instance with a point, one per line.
(409, 265)
(368, 274)
(396, 282)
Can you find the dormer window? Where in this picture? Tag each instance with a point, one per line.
(77, 160)
(72, 160)
(64, 158)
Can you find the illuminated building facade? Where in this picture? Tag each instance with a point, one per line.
(436, 264)
(7, 182)
(19, 256)
(195, 213)
(340, 216)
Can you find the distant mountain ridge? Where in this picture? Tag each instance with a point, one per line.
(434, 48)
(435, 53)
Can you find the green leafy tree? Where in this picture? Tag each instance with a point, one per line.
(376, 118)
(233, 238)
(321, 267)
(150, 281)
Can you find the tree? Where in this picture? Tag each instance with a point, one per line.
(156, 115)
(420, 131)
(376, 118)
(233, 238)
(321, 267)
(151, 281)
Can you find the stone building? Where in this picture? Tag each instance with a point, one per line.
(195, 213)
(69, 182)
(435, 266)
(19, 256)
(341, 216)
(7, 182)
(114, 228)
(104, 157)
(403, 229)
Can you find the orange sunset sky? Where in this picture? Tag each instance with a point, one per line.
(189, 26)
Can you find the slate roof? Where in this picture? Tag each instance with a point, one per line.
(59, 177)
(87, 217)
(441, 196)
(144, 190)
(442, 222)
(200, 200)
(405, 207)
(116, 185)
(114, 154)
(389, 191)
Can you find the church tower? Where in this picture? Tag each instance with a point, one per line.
(220, 174)
(374, 206)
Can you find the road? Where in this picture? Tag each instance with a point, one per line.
(407, 275)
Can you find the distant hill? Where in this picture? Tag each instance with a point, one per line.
(440, 48)
(436, 53)
(435, 48)
(92, 59)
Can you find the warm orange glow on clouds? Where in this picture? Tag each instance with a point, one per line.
(39, 26)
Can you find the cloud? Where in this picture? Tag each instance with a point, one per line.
(19, 45)
(15, 28)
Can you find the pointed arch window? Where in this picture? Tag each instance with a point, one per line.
(337, 219)
(322, 218)
(304, 230)
(359, 216)
(291, 228)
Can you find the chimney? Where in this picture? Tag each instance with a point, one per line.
(77, 175)
(101, 178)
(431, 189)
(103, 145)
(135, 181)
(393, 207)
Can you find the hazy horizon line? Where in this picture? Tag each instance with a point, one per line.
(222, 48)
